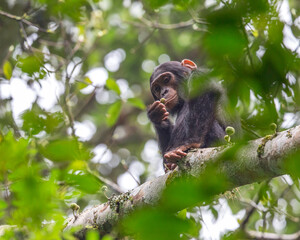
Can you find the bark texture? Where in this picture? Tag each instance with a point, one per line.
(255, 161)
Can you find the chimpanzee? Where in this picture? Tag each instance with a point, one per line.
(196, 122)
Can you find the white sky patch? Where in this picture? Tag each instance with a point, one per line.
(5, 90)
(113, 59)
(105, 4)
(126, 3)
(260, 52)
(125, 90)
(102, 154)
(105, 97)
(74, 68)
(288, 179)
(126, 182)
(30, 39)
(212, 228)
(152, 155)
(163, 58)
(23, 96)
(98, 76)
(115, 20)
(279, 222)
(136, 168)
(285, 13)
(289, 39)
(142, 118)
(48, 91)
(209, 3)
(277, 104)
(150, 150)
(289, 120)
(136, 10)
(148, 66)
(115, 161)
(85, 130)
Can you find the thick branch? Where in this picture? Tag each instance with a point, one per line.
(258, 160)
(273, 236)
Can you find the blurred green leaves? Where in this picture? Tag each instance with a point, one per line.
(7, 70)
(84, 182)
(31, 64)
(112, 85)
(148, 224)
(34, 198)
(225, 37)
(37, 120)
(65, 150)
(244, 44)
(136, 102)
(160, 222)
(14, 156)
(113, 113)
(292, 164)
(68, 8)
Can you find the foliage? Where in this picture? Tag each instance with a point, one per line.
(73, 89)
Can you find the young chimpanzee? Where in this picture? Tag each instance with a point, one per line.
(196, 122)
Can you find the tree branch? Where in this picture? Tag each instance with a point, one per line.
(273, 236)
(23, 20)
(257, 160)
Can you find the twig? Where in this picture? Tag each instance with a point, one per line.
(253, 207)
(248, 48)
(25, 35)
(23, 20)
(67, 106)
(106, 181)
(134, 50)
(171, 26)
(127, 169)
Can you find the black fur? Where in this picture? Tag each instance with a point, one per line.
(196, 120)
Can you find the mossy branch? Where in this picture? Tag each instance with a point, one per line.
(256, 160)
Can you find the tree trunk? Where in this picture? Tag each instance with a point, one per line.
(257, 160)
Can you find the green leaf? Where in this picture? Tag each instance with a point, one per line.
(31, 64)
(113, 113)
(87, 81)
(37, 120)
(3, 206)
(136, 102)
(33, 123)
(7, 70)
(35, 208)
(292, 164)
(84, 182)
(65, 150)
(182, 214)
(157, 3)
(112, 85)
(92, 235)
(14, 154)
(149, 224)
(107, 237)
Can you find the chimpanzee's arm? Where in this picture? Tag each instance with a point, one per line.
(201, 119)
(164, 131)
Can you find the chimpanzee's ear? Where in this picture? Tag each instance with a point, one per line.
(189, 64)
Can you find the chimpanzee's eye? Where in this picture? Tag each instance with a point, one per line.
(156, 88)
(166, 79)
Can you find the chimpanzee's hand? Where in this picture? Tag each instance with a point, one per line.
(171, 157)
(157, 112)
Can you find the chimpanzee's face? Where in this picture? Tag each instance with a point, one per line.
(165, 86)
